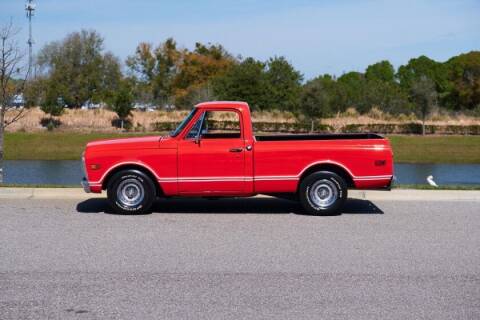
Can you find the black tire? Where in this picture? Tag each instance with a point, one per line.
(131, 192)
(323, 193)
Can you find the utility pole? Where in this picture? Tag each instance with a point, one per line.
(30, 10)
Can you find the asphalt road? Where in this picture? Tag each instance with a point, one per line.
(239, 259)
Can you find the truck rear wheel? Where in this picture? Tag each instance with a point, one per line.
(323, 193)
(131, 192)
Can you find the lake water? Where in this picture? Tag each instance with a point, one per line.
(70, 172)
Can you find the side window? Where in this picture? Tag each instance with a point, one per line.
(221, 124)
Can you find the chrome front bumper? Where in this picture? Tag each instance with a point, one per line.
(85, 185)
(84, 182)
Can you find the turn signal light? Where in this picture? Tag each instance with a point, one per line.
(94, 166)
(380, 162)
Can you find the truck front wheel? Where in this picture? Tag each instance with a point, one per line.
(130, 192)
(323, 193)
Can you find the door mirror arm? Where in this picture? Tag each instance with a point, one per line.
(199, 133)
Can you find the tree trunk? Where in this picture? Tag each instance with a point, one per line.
(121, 124)
(2, 130)
(312, 126)
(423, 127)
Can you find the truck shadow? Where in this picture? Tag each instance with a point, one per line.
(229, 205)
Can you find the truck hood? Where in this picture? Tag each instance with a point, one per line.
(149, 142)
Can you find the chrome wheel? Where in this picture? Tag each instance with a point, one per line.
(323, 193)
(130, 193)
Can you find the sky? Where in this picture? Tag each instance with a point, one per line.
(317, 37)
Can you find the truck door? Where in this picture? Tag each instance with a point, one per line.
(211, 157)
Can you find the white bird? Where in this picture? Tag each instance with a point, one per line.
(431, 182)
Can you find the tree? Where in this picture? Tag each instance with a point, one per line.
(122, 102)
(424, 95)
(110, 79)
(284, 84)
(353, 87)
(317, 98)
(193, 80)
(274, 84)
(78, 68)
(52, 105)
(386, 96)
(168, 58)
(156, 69)
(10, 65)
(380, 90)
(380, 71)
(168, 75)
(464, 74)
(245, 81)
(377, 90)
(416, 68)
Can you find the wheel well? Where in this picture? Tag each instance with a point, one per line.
(332, 168)
(158, 189)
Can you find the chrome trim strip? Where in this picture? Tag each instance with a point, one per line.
(373, 178)
(258, 178)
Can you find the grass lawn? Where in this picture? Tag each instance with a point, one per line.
(443, 187)
(436, 149)
(69, 146)
(51, 145)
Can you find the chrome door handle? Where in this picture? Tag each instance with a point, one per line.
(236, 150)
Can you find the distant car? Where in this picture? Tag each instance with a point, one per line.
(18, 101)
(169, 107)
(90, 105)
(139, 106)
(144, 107)
(213, 153)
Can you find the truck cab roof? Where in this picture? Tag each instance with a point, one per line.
(221, 104)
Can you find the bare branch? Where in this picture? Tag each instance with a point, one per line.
(21, 113)
(10, 58)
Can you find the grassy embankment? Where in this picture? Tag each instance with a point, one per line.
(436, 149)
(411, 149)
(442, 187)
(51, 145)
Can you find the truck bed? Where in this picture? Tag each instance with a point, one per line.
(338, 136)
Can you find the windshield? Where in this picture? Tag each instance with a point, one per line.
(182, 125)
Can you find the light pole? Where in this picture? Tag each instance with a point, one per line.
(30, 10)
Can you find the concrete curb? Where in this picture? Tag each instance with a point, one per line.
(46, 193)
(416, 195)
(394, 195)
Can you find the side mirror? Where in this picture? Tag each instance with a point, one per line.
(197, 139)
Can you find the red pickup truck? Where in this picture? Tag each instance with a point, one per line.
(213, 153)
